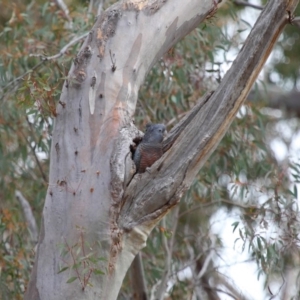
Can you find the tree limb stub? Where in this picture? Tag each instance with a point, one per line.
(152, 194)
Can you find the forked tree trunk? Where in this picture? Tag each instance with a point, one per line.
(91, 223)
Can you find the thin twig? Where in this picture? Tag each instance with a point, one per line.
(23, 75)
(189, 264)
(64, 49)
(48, 58)
(207, 260)
(200, 206)
(90, 9)
(100, 7)
(66, 11)
(74, 264)
(244, 3)
(35, 157)
(87, 278)
(145, 110)
(226, 293)
(33, 152)
(175, 119)
(83, 253)
(295, 21)
(222, 280)
(169, 251)
(64, 8)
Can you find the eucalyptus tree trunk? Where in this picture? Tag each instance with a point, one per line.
(93, 225)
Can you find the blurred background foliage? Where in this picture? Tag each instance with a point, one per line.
(250, 183)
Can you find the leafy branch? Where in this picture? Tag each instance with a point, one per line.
(45, 59)
(84, 264)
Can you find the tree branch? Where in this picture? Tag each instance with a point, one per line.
(47, 58)
(202, 278)
(29, 217)
(100, 7)
(221, 280)
(137, 278)
(244, 3)
(160, 294)
(152, 194)
(295, 21)
(204, 265)
(66, 12)
(90, 9)
(63, 50)
(35, 157)
(201, 206)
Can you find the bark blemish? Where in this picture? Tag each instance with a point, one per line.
(101, 49)
(134, 5)
(90, 36)
(80, 62)
(149, 9)
(154, 7)
(107, 29)
(99, 34)
(80, 112)
(57, 150)
(101, 89)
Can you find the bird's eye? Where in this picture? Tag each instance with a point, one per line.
(159, 130)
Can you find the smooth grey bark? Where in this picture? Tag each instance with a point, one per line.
(91, 137)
